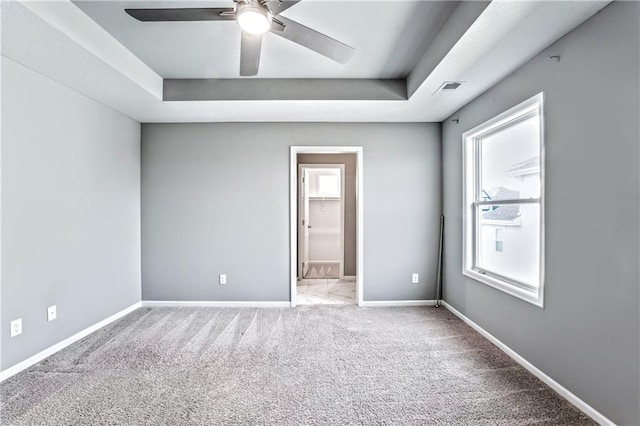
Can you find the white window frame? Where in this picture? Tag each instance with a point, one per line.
(470, 181)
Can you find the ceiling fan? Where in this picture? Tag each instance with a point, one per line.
(255, 18)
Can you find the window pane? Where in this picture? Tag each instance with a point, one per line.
(518, 255)
(329, 184)
(510, 162)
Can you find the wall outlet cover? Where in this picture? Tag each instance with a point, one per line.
(52, 313)
(223, 279)
(16, 327)
(415, 278)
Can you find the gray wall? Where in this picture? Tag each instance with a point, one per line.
(350, 201)
(70, 211)
(215, 199)
(586, 337)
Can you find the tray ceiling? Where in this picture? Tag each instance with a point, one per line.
(107, 60)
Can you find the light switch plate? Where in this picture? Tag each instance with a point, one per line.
(52, 313)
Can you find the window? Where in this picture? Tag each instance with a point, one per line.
(499, 242)
(329, 183)
(325, 182)
(503, 201)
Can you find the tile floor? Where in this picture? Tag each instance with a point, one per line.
(326, 292)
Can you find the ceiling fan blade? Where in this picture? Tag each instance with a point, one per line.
(278, 6)
(277, 25)
(250, 54)
(188, 14)
(318, 42)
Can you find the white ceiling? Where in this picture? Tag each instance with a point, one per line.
(477, 45)
(388, 37)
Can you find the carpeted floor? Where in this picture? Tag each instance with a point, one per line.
(308, 365)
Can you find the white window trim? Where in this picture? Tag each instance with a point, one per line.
(536, 297)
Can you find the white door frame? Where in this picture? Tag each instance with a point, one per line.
(293, 217)
(340, 167)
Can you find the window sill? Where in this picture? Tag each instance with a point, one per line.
(533, 297)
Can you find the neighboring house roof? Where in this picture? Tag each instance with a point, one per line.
(526, 167)
(508, 212)
(501, 193)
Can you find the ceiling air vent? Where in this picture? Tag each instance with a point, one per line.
(451, 85)
(448, 86)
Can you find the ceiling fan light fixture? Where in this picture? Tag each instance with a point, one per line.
(255, 20)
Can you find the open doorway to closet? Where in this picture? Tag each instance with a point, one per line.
(325, 226)
(321, 237)
(321, 216)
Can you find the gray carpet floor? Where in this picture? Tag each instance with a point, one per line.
(303, 366)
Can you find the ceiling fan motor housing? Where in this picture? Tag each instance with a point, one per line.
(253, 18)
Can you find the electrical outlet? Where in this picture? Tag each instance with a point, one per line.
(415, 279)
(16, 327)
(223, 279)
(52, 313)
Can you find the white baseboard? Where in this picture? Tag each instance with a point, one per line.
(5, 374)
(564, 392)
(377, 303)
(215, 304)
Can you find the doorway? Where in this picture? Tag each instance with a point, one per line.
(321, 221)
(326, 225)
(321, 236)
